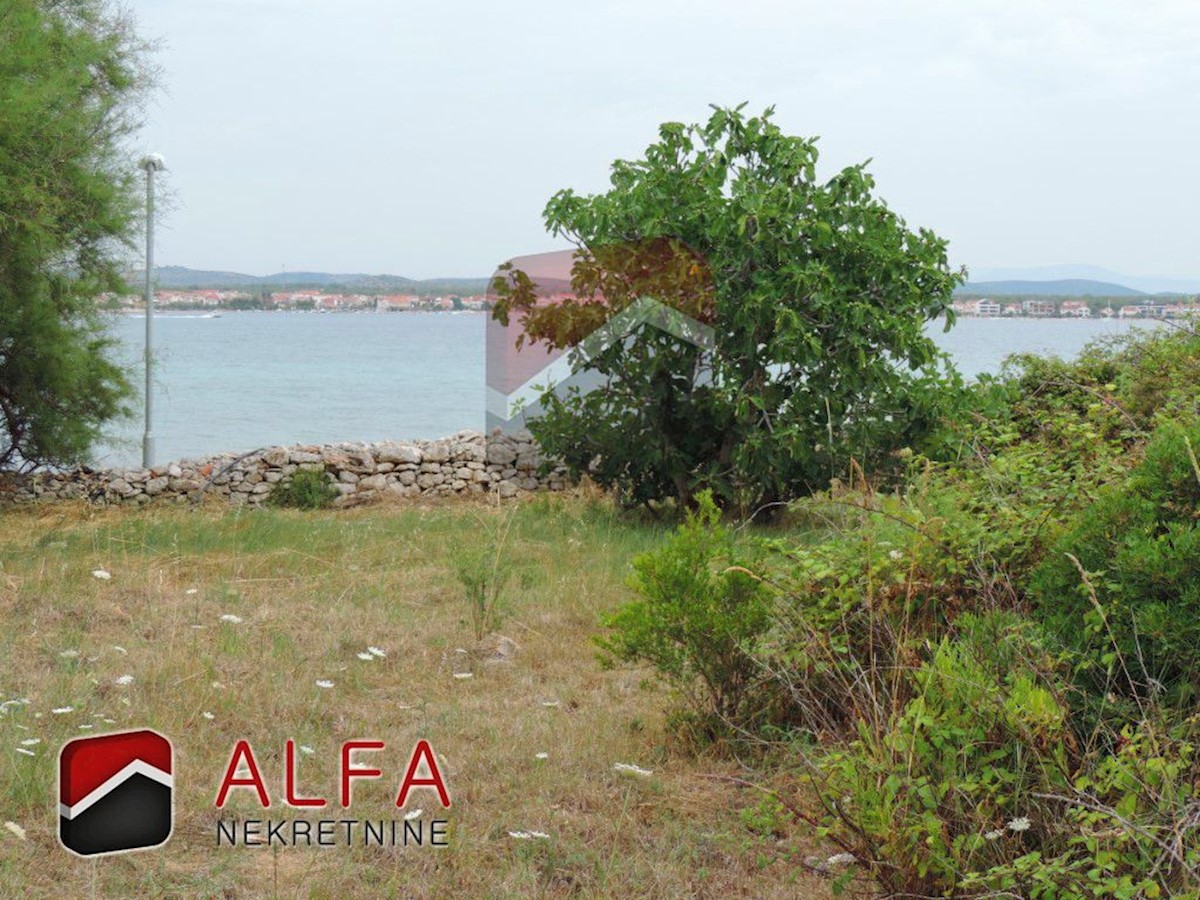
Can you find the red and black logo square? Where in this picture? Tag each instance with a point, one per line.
(114, 792)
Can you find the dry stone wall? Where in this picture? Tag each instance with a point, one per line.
(467, 463)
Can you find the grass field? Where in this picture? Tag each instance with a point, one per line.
(308, 593)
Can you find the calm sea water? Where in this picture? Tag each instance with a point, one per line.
(246, 380)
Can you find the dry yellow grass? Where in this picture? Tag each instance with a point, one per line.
(313, 590)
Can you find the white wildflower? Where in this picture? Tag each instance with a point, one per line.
(629, 769)
(69, 654)
(551, 704)
(895, 555)
(62, 710)
(31, 742)
(87, 727)
(125, 680)
(375, 651)
(463, 675)
(541, 756)
(994, 835)
(307, 750)
(324, 684)
(528, 835)
(1021, 823)
(101, 574)
(841, 859)
(208, 715)
(120, 649)
(218, 686)
(541, 835)
(15, 829)
(231, 619)
(191, 591)
(25, 752)
(415, 814)
(365, 657)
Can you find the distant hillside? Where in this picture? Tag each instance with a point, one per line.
(183, 278)
(179, 277)
(452, 285)
(1068, 287)
(1150, 284)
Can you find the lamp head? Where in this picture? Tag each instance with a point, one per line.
(153, 162)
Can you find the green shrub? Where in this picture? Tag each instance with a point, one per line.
(958, 728)
(700, 612)
(307, 489)
(1125, 829)
(1122, 587)
(859, 608)
(1155, 375)
(941, 788)
(484, 576)
(484, 572)
(1043, 441)
(976, 785)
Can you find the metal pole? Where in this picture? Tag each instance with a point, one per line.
(148, 438)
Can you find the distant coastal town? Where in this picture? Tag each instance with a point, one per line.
(302, 300)
(1086, 308)
(316, 300)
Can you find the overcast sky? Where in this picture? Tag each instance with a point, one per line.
(424, 139)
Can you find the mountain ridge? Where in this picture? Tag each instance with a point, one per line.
(1066, 287)
(182, 277)
(1148, 284)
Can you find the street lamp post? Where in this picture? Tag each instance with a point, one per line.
(152, 164)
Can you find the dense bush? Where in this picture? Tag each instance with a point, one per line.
(946, 784)
(1122, 586)
(1126, 828)
(995, 661)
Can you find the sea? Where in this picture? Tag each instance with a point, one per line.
(242, 380)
